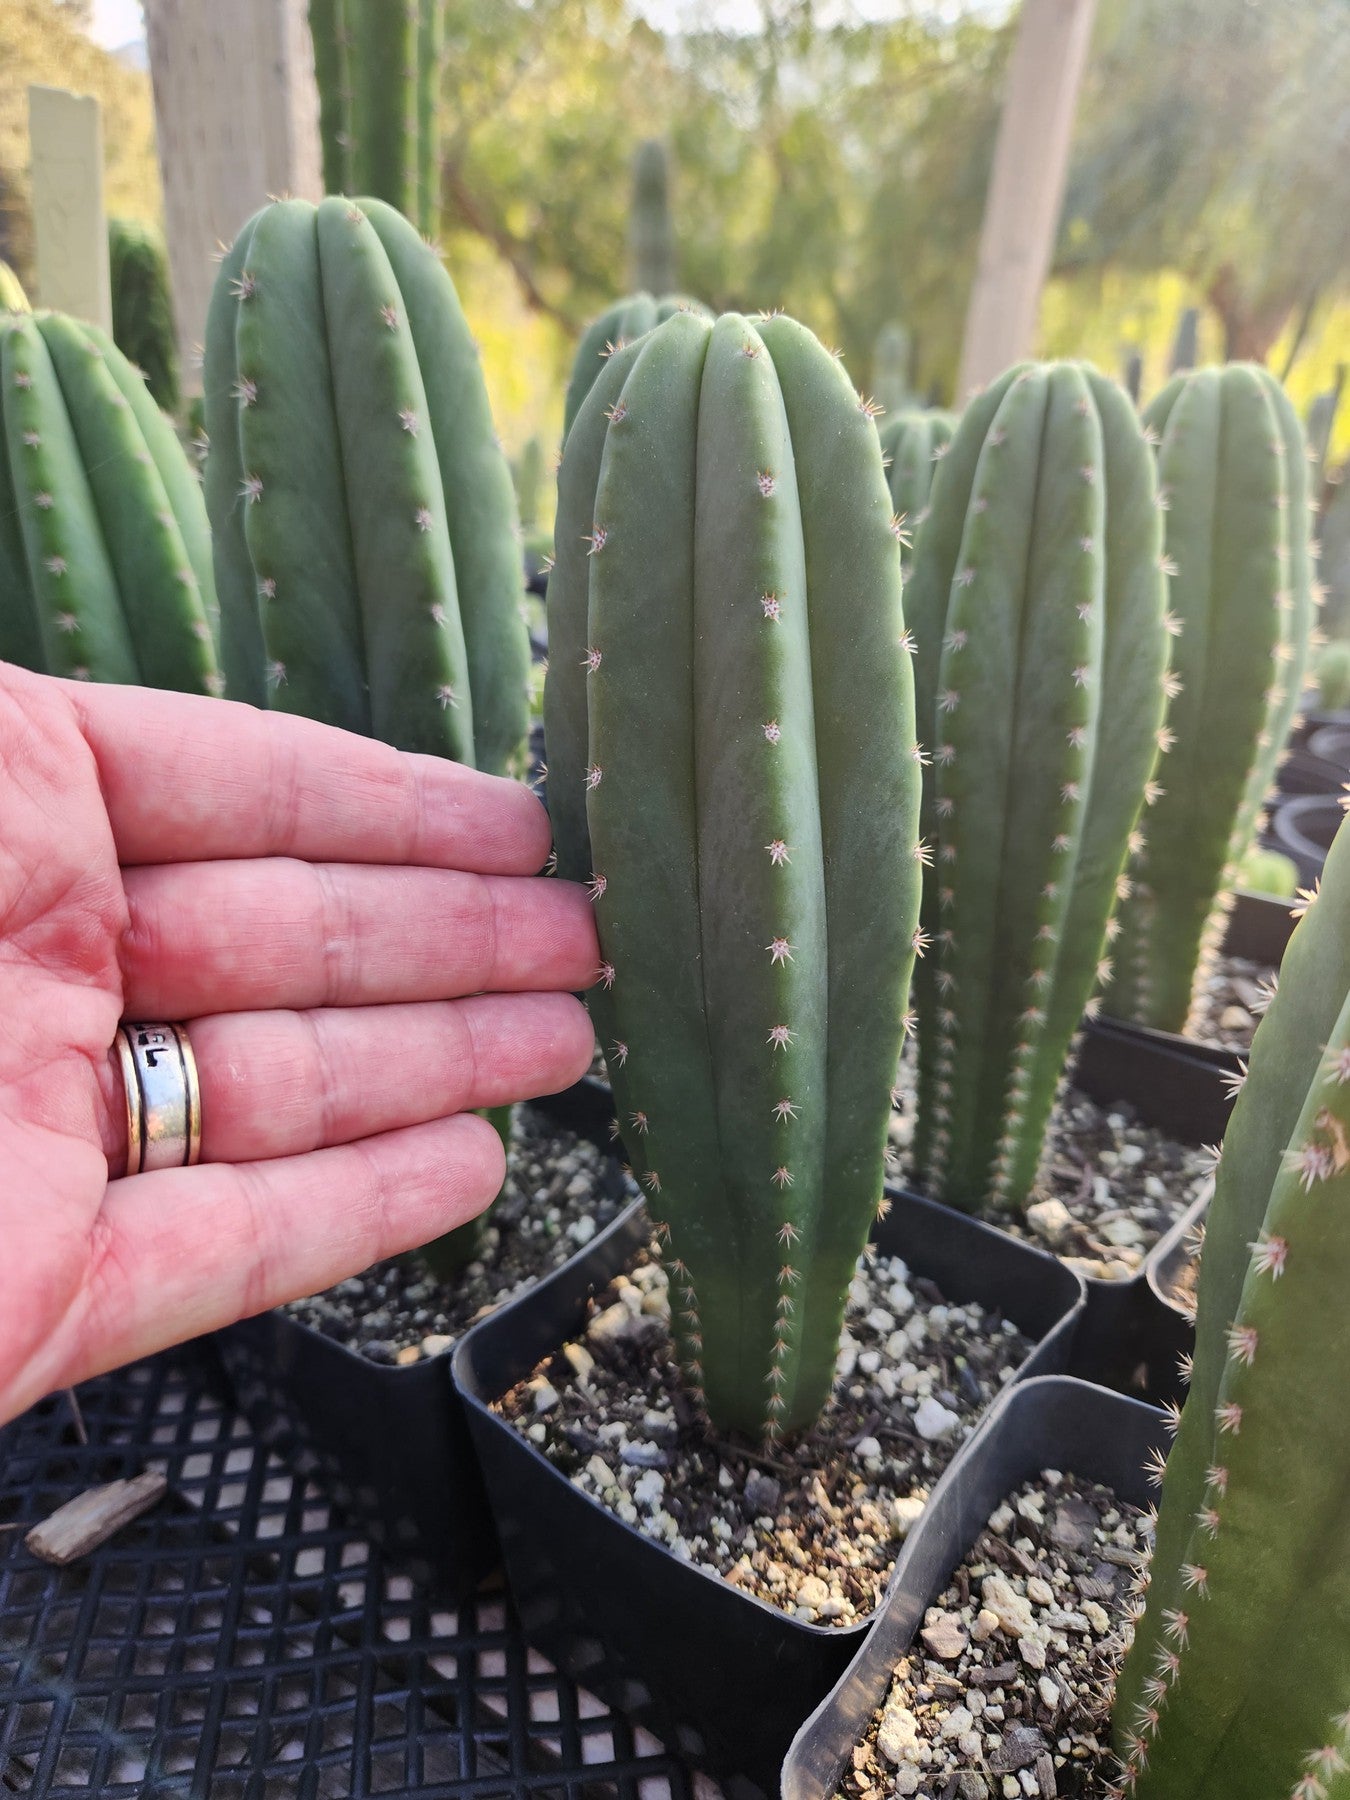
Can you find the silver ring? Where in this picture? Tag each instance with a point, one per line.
(163, 1097)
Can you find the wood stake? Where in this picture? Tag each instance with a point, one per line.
(91, 1518)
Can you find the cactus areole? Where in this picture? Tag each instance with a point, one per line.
(366, 544)
(105, 555)
(613, 330)
(731, 767)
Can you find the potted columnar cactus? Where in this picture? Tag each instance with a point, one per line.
(1233, 469)
(733, 770)
(105, 555)
(368, 561)
(1037, 609)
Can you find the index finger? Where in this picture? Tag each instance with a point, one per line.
(190, 779)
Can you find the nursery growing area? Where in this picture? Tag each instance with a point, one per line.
(907, 1362)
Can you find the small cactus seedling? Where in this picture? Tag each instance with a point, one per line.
(379, 66)
(1267, 872)
(105, 555)
(366, 543)
(730, 733)
(1036, 605)
(913, 444)
(1233, 471)
(142, 311)
(620, 325)
(651, 229)
(1237, 1685)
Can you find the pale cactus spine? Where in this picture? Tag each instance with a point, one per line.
(615, 328)
(731, 768)
(105, 553)
(1233, 471)
(913, 444)
(1237, 1685)
(379, 66)
(1036, 605)
(651, 228)
(142, 310)
(366, 543)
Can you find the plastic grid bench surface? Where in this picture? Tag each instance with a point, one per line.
(239, 1642)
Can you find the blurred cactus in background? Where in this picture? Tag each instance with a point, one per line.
(1186, 343)
(653, 261)
(1233, 468)
(105, 555)
(1331, 677)
(379, 65)
(892, 360)
(142, 309)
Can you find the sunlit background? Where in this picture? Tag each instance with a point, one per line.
(831, 157)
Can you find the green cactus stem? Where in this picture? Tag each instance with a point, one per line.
(1237, 1685)
(1036, 603)
(725, 634)
(366, 543)
(105, 556)
(142, 311)
(619, 325)
(379, 66)
(12, 296)
(1232, 466)
(1331, 677)
(651, 229)
(913, 444)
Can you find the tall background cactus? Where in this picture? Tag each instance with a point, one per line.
(142, 310)
(367, 550)
(1237, 1686)
(730, 733)
(379, 65)
(105, 557)
(1233, 468)
(620, 324)
(892, 359)
(1186, 343)
(1036, 604)
(913, 444)
(651, 227)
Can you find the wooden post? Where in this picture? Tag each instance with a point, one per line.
(237, 120)
(1026, 187)
(70, 229)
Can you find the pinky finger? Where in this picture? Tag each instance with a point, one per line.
(183, 1251)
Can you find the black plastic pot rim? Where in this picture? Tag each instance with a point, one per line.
(466, 1387)
(1165, 1250)
(952, 1483)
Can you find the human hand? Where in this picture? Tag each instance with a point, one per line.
(346, 931)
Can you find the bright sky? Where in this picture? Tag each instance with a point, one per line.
(118, 22)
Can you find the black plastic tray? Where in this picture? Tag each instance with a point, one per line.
(1302, 829)
(715, 1673)
(389, 1445)
(1052, 1423)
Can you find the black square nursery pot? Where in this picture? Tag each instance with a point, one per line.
(718, 1675)
(1054, 1423)
(389, 1446)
